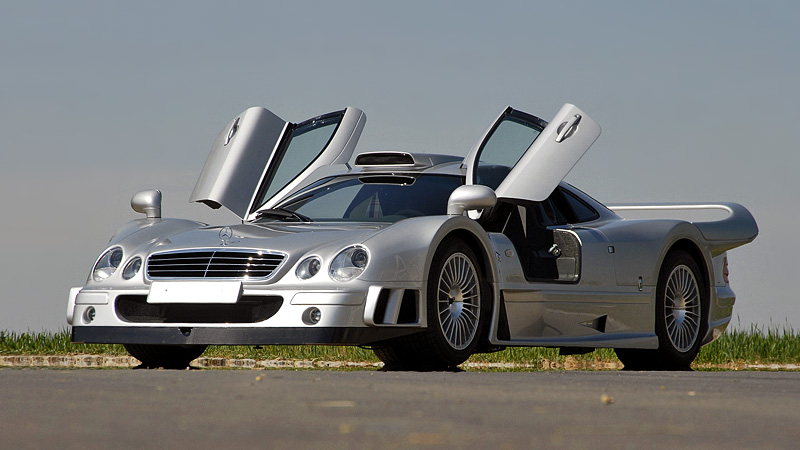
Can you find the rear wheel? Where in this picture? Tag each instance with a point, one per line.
(166, 356)
(457, 309)
(681, 317)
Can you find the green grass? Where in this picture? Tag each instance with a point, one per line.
(753, 346)
(293, 352)
(49, 343)
(538, 356)
(734, 347)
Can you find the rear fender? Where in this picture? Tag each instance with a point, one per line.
(739, 227)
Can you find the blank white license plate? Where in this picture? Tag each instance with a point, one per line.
(195, 292)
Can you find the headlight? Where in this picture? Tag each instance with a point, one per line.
(349, 263)
(132, 268)
(308, 268)
(107, 264)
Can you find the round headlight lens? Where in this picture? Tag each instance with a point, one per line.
(349, 263)
(132, 268)
(308, 268)
(107, 264)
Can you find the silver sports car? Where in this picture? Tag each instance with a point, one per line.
(426, 258)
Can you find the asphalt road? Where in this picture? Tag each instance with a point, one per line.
(48, 408)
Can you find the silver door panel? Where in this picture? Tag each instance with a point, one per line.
(554, 313)
(236, 162)
(551, 156)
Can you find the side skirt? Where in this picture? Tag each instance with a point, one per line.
(616, 340)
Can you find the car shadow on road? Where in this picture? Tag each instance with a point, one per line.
(455, 369)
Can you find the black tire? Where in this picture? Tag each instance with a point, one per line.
(681, 317)
(166, 356)
(458, 312)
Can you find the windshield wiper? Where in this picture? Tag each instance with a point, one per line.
(282, 214)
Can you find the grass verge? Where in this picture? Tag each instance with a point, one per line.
(754, 346)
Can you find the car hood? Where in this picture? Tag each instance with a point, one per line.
(293, 239)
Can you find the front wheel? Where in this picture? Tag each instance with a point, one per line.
(457, 308)
(166, 356)
(681, 317)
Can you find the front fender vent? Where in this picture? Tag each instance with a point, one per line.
(227, 264)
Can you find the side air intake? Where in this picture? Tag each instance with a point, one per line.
(388, 306)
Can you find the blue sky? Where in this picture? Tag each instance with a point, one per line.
(697, 100)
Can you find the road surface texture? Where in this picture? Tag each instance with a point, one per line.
(274, 409)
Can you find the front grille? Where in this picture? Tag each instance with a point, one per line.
(213, 264)
(249, 309)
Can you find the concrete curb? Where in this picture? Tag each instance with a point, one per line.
(78, 361)
(102, 361)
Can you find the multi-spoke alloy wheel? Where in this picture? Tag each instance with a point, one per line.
(681, 316)
(458, 307)
(682, 308)
(459, 294)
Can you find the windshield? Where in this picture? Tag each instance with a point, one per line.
(373, 198)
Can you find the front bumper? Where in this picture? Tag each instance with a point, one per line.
(236, 336)
(367, 315)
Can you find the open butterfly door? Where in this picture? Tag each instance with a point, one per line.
(259, 158)
(523, 157)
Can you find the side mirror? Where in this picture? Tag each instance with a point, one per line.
(148, 202)
(467, 198)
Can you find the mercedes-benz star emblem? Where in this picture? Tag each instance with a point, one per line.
(225, 235)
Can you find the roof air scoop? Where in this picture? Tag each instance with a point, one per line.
(385, 159)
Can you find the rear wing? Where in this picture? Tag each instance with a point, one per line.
(736, 229)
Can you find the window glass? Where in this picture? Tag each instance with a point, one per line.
(503, 149)
(550, 213)
(304, 145)
(580, 211)
(380, 198)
